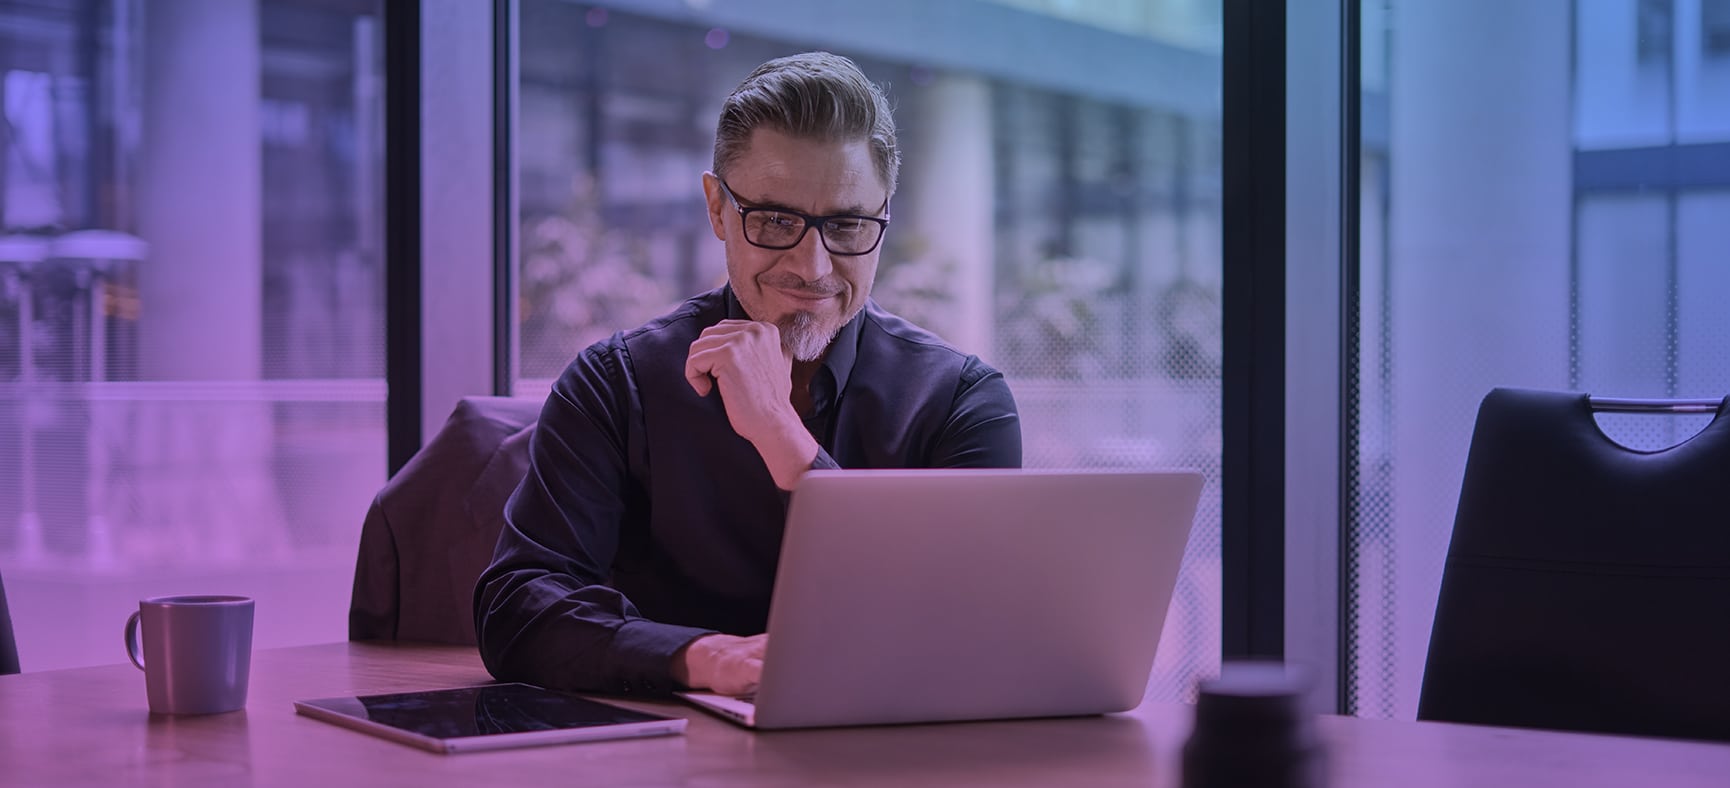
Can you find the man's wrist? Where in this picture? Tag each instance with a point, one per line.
(788, 453)
(690, 663)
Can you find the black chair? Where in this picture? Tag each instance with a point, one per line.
(8, 646)
(432, 529)
(1587, 585)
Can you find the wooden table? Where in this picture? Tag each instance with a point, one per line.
(89, 726)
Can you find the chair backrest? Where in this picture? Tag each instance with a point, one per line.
(8, 646)
(1587, 585)
(433, 527)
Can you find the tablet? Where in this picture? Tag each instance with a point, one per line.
(489, 717)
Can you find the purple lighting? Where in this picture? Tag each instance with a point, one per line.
(716, 38)
(597, 17)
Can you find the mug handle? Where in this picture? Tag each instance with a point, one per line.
(133, 650)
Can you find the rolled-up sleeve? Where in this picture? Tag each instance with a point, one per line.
(543, 611)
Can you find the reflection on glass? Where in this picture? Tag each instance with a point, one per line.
(190, 310)
(1061, 222)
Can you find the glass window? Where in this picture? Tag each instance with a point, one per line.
(191, 352)
(1488, 261)
(1654, 30)
(1624, 281)
(1715, 28)
(1621, 91)
(1703, 71)
(1703, 275)
(1061, 221)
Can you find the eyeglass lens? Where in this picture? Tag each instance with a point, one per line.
(783, 230)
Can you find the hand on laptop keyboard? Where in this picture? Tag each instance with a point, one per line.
(726, 664)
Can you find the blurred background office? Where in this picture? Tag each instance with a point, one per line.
(1059, 215)
(192, 344)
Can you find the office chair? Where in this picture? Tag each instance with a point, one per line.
(8, 646)
(432, 529)
(1587, 585)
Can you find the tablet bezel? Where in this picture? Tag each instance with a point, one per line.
(653, 725)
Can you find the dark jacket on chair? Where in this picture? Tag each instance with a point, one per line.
(432, 529)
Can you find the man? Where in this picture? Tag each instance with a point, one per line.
(639, 553)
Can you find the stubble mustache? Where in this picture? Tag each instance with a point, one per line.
(822, 288)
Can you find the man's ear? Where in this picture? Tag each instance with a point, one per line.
(717, 203)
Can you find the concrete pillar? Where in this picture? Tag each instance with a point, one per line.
(947, 184)
(1481, 143)
(206, 464)
(199, 192)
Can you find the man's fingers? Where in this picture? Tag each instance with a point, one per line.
(699, 369)
(720, 347)
(700, 382)
(722, 331)
(750, 675)
(733, 337)
(711, 352)
(710, 342)
(728, 330)
(709, 362)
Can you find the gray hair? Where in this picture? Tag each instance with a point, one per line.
(813, 95)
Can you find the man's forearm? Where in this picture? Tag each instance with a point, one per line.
(576, 655)
(788, 453)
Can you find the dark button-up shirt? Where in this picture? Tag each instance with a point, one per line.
(645, 522)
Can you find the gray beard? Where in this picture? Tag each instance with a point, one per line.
(803, 337)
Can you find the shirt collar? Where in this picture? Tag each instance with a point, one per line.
(842, 352)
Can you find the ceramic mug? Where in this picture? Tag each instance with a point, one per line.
(196, 652)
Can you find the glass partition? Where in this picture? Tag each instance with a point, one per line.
(1534, 213)
(191, 303)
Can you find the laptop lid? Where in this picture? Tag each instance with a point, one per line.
(933, 595)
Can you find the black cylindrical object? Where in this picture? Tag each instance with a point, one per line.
(1254, 729)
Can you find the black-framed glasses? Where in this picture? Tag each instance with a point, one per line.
(845, 234)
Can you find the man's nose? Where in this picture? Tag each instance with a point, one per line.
(810, 258)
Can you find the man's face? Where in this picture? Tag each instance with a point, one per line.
(807, 291)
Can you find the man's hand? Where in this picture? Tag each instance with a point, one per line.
(744, 359)
(755, 374)
(723, 663)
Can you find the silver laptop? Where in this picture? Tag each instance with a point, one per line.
(937, 595)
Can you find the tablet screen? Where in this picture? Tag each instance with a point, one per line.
(486, 711)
